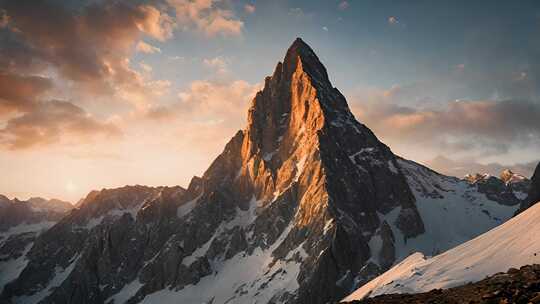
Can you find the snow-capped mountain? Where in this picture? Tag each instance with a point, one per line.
(508, 189)
(20, 223)
(302, 206)
(511, 245)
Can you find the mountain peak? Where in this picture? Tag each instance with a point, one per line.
(300, 48)
(301, 52)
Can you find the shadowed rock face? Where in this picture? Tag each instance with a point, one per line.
(534, 192)
(284, 214)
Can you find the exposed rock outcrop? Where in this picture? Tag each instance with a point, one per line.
(534, 191)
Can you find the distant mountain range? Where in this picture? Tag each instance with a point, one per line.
(304, 205)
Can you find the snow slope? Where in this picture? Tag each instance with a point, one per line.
(453, 212)
(513, 244)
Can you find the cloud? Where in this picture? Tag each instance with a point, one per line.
(249, 8)
(155, 23)
(296, 11)
(207, 113)
(90, 47)
(482, 127)
(51, 122)
(210, 17)
(19, 93)
(219, 64)
(145, 67)
(462, 167)
(392, 20)
(343, 5)
(325, 28)
(144, 47)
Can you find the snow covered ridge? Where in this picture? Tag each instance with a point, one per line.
(511, 245)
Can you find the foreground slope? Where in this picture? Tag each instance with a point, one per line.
(302, 206)
(513, 244)
(519, 286)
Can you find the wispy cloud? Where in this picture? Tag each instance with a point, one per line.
(218, 64)
(147, 48)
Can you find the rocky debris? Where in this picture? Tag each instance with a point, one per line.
(516, 286)
(534, 192)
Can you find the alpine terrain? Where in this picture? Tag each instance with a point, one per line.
(20, 223)
(511, 245)
(302, 206)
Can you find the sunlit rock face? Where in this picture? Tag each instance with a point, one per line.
(302, 206)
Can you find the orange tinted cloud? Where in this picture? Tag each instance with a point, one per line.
(456, 126)
(19, 93)
(207, 17)
(51, 122)
(92, 48)
(207, 113)
(147, 48)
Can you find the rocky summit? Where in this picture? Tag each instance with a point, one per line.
(302, 206)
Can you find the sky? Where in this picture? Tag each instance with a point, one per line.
(100, 94)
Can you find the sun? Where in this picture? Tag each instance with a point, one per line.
(71, 186)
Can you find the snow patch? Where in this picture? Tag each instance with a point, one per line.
(60, 276)
(24, 228)
(127, 292)
(11, 269)
(187, 207)
(241, 279)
